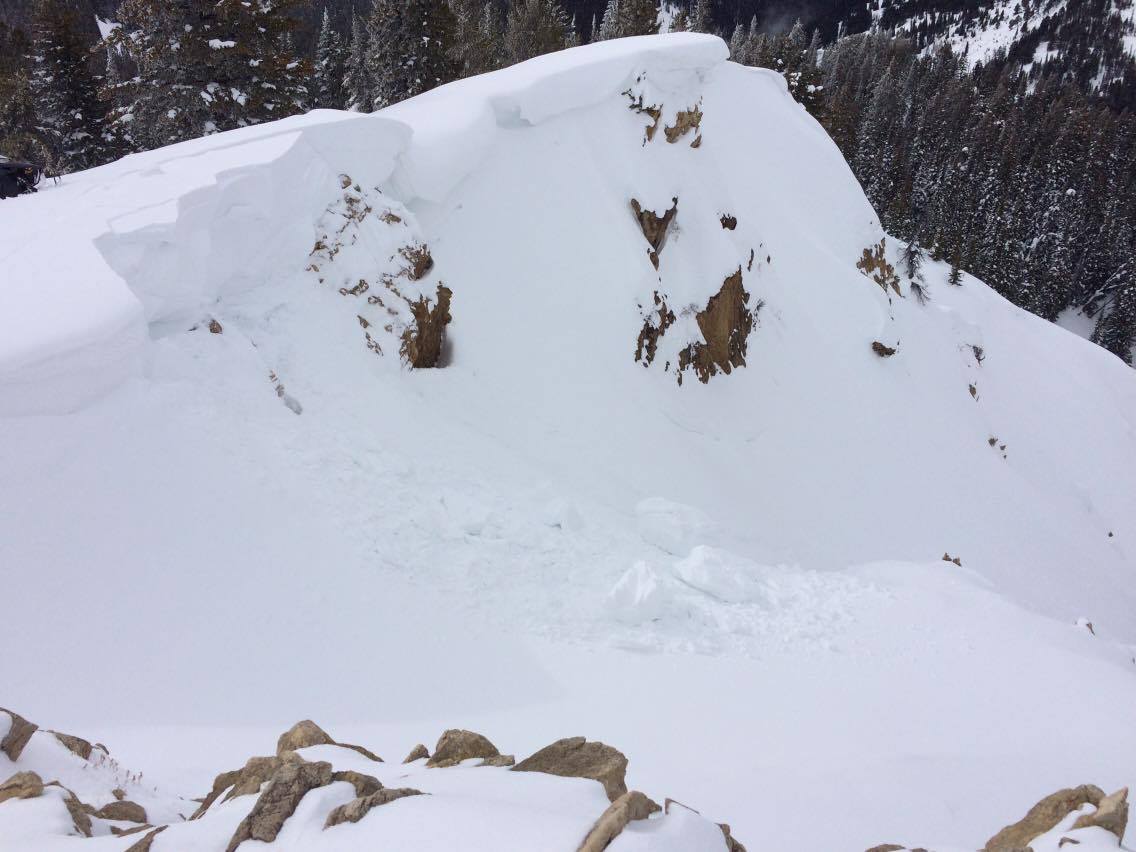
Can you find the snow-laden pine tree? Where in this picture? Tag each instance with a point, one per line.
(71, 114)
(478, 37)
(410, 48)
(328, 70)
(22, 137)
(205, 66)
(638, 17)
(534, 27)
(609, 23)
(702, 17)
(1116, 328)
(356, 73)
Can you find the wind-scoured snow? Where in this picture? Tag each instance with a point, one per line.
(741, 584)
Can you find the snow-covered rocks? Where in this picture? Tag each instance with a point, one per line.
(324, 796)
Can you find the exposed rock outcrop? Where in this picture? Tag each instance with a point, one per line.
(22, 785)
(123, 810)
(423, 342)
(19, 733)
(654, 327)
(1043, 816)
(279, 800)
(729, 223)
(654, 226)
(364, 785)
(499, 760)
(883, 350)
(725, 324)
(358, 808)
(732, 843)
(80, 813)
(1111, 814)
(307, 733)
(873, 263)
(686, 120)
(144, 844)
(455, 745)
(575, 757)
(76, 745)
(629, 806)
(417, 753)
(245, 781)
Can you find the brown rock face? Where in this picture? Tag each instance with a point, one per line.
(18, 735)
(1042, 817)
(303, 734)
(76, 745)
(356, 809)
(22, 785)
(732, 845)
(423, 342)
(499, 760)
(654, 226)
(725, 325)
(245, 781)
(143, 845)
(629, 806)
(364, 785)
(124, 810)
(685, 121)
(455, 745)
(417, 753)
(575, 757)
(874, 264)
(80, 813)
(307, 733)
(654, 327)
(279, 800)
(1111, 814)
(887, 847)
(882, 350)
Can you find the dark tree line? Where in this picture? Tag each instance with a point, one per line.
(1026, 182)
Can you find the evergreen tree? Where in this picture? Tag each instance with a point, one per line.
(22, 137)
(204, 66)
(610, 23)
(72, 117)
(534, 27)
(356, 74)
(1116, 328)
(702, 17)
(328, 67)
(638, 17)
(410, 48)
(478, 38)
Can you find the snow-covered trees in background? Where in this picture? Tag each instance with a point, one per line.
(203, 67)
(534, 27)
(410, 51)
(623, 18)
(356, 76)
(328, 67)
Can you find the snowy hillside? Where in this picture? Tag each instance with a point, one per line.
(670, 488)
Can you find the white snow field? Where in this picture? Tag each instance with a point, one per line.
(741, 584)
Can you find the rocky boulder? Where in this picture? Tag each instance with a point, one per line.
(19, 732)
(76, 745)
(22, 785)
(145, 843)
(358, 808)
(417, 753)
(575, 757)
(307, 733)
(1042, 817)
(1111, 814)
(122, 810)
(725, 323)
(287, 787)
(629, 806)
(455, 745)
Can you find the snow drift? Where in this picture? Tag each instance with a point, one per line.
(661, 426)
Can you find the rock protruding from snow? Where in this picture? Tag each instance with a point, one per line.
(575, 757)
(287, 787)
(307, 733)
(147, 841)
(358, 808)
(20, 730)
(1043, 816)
(630, 806)
(364, 785)
(124, 810)
(456, 745)
(417, 753)
(1111, 815)
(22, 785)
(726, 323)
(76, 745)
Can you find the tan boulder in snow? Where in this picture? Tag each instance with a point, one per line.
(629, 806)
(417, 753)
(279, 800)
(1111, 814)
(22, 785)
(455, 745)
(575, 757)
(358, 808)
(144, 844)
(364, 785)
(1042, 817)
(307, 733)
(122, 810)
(19, 733)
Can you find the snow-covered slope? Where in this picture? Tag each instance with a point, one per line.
(229, 502)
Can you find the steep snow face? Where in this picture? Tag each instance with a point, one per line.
(218, 467)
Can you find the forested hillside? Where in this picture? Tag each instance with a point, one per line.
(998, 138)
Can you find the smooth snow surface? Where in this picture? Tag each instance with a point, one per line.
(739, 584)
